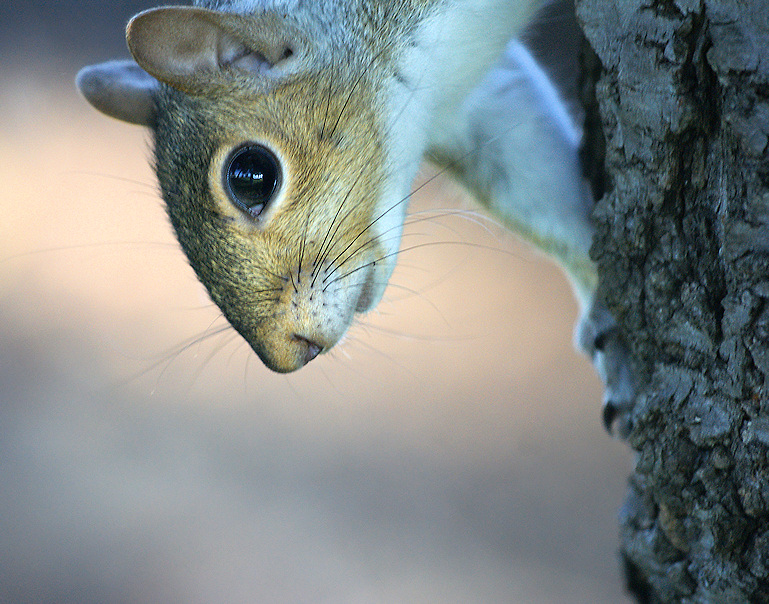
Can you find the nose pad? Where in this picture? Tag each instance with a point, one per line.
(312, 349)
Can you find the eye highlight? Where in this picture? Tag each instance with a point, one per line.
(252, 177)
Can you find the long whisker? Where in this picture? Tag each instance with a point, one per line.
(169, 356)
(329, 238)
(339, 224)
(382, 354)
(409, 290)
(423, 245)
(473, 217)
(427, 217)
(209, 357)
(303, 244)
(404, 199)
(86, 246)
(425, 338)
(371, 224)
(117, 177)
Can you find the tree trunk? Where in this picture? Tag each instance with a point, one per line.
(681, 92)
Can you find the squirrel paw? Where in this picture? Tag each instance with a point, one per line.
(598, 336)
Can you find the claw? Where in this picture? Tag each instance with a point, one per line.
(617, 419)
(609, 414)
(597, 334)
(599, 342)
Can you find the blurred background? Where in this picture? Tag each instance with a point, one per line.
(450, 451)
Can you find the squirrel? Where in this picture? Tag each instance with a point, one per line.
(287, 136)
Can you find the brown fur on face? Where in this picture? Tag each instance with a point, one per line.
(296, 274)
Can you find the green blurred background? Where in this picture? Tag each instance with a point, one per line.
(450, 451)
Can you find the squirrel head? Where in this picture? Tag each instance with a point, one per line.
(274, 160)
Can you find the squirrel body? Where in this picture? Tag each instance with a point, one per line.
(288, 134)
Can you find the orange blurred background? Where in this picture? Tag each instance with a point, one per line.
(450, 450)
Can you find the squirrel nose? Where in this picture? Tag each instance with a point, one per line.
(312, 349)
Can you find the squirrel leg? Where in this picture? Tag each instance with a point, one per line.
(515, 148)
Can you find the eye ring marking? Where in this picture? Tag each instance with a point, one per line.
(252, 177)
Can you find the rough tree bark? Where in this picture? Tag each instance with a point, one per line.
(682, 91)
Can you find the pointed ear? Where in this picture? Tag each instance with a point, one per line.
(191, 48)
(121, 89)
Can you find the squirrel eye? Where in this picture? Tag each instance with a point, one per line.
(252, 176)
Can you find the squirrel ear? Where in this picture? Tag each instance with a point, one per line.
(121, 89)
(188, 48)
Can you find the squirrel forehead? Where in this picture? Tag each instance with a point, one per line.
(328, 141)
(328, 102)
(313, 127)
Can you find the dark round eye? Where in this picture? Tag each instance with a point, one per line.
(252, 177)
